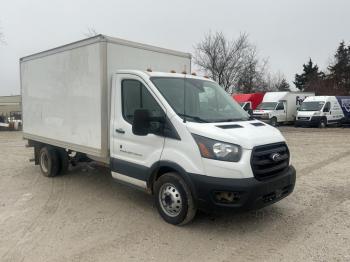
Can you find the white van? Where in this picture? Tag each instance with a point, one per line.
(177, 136)
(280, 107)
(323, 110)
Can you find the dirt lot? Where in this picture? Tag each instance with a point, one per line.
(85, 216)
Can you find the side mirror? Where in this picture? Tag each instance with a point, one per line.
(141, 123)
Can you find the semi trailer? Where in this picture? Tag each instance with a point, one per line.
(174, 135)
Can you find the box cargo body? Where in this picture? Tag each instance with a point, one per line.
(65, 91)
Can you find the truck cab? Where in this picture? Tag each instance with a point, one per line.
(319, 111)
(246, 106)
(212, 153)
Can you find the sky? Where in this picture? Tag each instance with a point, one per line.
(287, 32)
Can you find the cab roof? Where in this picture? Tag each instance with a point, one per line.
(163, 74)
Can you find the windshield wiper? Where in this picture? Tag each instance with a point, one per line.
(196, 118)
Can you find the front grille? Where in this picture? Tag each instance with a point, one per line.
(266, 164)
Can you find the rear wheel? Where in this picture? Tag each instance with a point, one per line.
(49, 161)
(174, 199)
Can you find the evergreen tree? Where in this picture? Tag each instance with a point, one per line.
(283, 85)
(339, 72)
(309, 77)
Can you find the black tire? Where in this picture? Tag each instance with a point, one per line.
(322, 123)
(64, 161)
(183, 215)
(273, 121)
(49, 161)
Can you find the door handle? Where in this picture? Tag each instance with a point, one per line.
(120, 131)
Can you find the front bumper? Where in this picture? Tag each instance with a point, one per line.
(264, 118)
(312, 121)
(253, 194)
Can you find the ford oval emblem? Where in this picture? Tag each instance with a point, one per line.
(276, 157)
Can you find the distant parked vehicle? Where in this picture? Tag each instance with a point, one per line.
(3, 123)
(249, 102)
(280, 107)
(322, 111)
(13, 122)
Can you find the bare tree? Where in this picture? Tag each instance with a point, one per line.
(253, 76)
(91, 32)
(234, 64)
(221, 59)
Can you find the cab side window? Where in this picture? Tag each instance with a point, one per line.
(327, 107)
(280, 106)
(136, 96)
(247, 107)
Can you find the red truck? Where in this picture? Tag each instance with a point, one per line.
(249, 102)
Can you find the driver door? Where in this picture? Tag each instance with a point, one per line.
(281, 111)
(327, 111)
(133, 155)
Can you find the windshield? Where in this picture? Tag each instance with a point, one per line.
(267, 106)
(205, 101)
(311, 106)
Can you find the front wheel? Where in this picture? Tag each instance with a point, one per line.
(323, 123)
(174, 199)
(273, 121)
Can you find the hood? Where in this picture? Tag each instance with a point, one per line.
(247, 134)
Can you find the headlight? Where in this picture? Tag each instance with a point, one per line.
(316, 113)
(218, 150)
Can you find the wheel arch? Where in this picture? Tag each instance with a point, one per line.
(162, 167)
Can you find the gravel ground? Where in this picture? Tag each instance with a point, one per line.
(85, 216)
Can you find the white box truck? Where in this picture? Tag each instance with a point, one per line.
(324, 110)
(179, 137)
(280, 107)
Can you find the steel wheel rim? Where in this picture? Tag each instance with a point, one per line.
(170, 200)
(44, 162)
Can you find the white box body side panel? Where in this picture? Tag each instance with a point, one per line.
(66, 90)
(62, 97)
